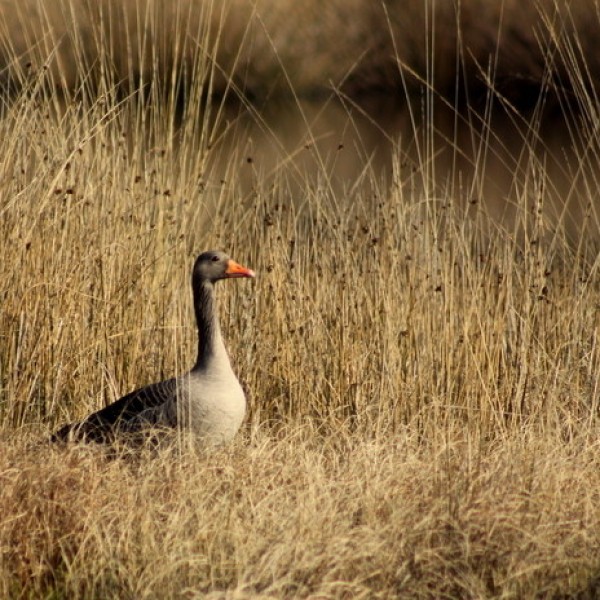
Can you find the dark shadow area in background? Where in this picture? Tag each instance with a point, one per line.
(492, 159)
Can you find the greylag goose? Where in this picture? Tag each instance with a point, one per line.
(208, 400)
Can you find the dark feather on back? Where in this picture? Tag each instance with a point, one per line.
(140, 409)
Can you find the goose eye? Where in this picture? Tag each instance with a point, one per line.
(215, 258)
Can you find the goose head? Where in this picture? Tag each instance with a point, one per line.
(214, 265)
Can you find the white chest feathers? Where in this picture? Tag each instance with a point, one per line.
(211, 404)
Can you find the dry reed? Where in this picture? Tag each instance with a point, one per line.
(424, 381)
(269, 46)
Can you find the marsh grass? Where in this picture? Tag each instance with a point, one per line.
(305, 515)
(423, 379)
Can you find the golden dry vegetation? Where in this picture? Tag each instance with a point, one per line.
(268, 46)
(424, 381)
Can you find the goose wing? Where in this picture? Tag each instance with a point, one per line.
(142, 408)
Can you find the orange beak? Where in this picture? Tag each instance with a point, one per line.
(236, 270)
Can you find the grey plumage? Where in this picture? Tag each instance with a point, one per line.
(208, 400)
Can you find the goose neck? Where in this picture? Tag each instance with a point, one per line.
(210, 343)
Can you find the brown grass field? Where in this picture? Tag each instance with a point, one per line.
(424, 381)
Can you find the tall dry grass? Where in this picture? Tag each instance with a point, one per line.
(423, 381)
(267, 47)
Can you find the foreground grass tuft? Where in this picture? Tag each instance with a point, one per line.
(303, 515)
